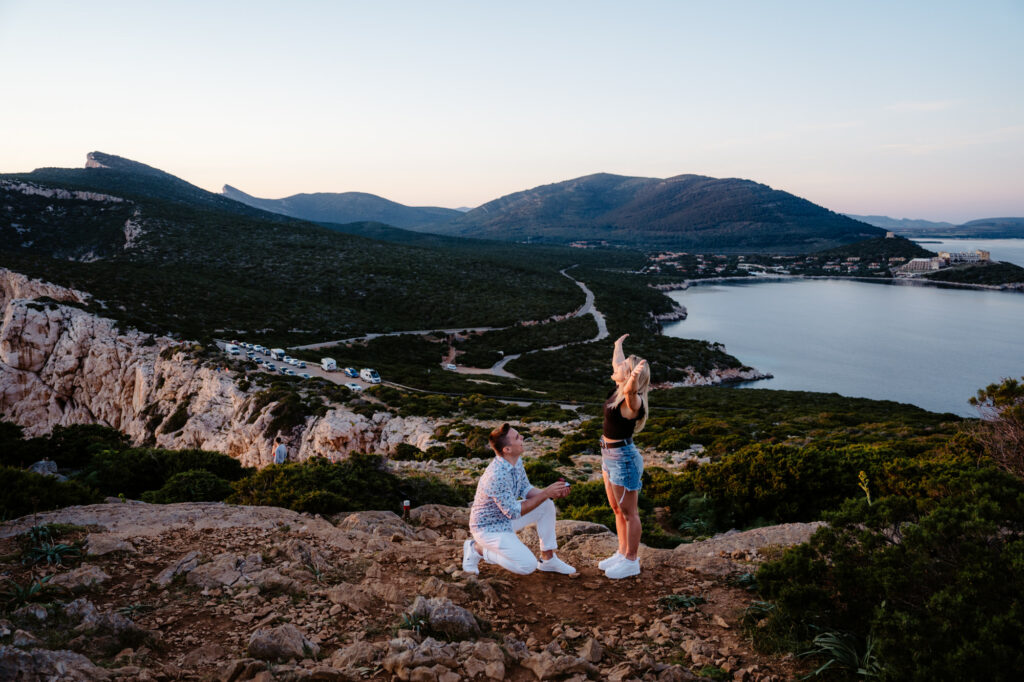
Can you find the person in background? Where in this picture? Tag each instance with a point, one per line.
(622, 466)
(280, 452)
(505, 502)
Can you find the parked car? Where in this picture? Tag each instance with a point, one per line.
(306, 376)
(352, 386)
(450, 367)
(352, 372)
(270, 366)
(258, 361)
(301, 364)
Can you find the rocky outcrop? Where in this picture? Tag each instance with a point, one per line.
(716, 377)
(60, 365)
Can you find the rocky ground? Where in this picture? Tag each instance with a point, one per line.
(208, 591)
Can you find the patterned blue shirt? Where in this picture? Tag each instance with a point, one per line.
(498, 495)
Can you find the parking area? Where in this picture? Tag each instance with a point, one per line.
(266, 362)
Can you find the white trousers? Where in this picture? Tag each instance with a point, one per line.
(506, 549)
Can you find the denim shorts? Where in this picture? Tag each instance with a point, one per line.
(624, 465)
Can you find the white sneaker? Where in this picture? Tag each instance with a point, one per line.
(470, 557)
(605, 564)
(623, 569)
(555, 565)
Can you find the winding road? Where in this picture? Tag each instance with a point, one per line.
(498, 369)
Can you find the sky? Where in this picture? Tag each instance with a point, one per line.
(908, 109)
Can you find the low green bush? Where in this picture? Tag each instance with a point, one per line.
(133, 471)
(361, 482)
(933, 583)
(194, 485)
(26, 492)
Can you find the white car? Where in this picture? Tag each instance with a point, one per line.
(352, 386)
(450, 367)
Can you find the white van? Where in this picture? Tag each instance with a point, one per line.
(369, 375)
(232, 349)
(328, 365)
(277, 353)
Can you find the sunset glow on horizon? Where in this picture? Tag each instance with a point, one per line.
(909, 110)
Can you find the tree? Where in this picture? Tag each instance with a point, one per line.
(1001, 430)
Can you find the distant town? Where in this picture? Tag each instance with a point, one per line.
(703, 266)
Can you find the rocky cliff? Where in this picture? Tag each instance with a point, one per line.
(61, 365)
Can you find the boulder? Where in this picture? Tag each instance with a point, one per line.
(45, 467)
(352, 597)
(548, 666)
(443, 617)
(355, 654)
(281, 643)
(204, 655)
(81, 578)
(591, 651)
(240, 669)
(184, 565)
(45, 665)
(100, 544)
(225, 570)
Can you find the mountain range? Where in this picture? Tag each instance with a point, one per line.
(347, 207)
(983, 228)
(161, 254)
(690, 212)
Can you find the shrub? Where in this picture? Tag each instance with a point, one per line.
(26, 492)
(360, 482)
(934, 583)
(194, 485)
(134, 471)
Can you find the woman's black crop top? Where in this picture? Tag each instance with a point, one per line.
(617, 427)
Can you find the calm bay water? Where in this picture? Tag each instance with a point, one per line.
(916, 344)
(1007, 250)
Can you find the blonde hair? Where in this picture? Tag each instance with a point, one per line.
(643, 387)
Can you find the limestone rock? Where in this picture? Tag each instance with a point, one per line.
(240, 669)
(444, 617)
(100, 544)
(41, 664)
(81, 578)
(281, 643)
(204, 655)
(183, 565)
(591, 651)
(548, 666)
(225, 570)
(45, 467)
(353, 597)
(355, 654)
(24, 639)
(61, 365)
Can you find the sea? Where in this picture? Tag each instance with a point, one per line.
(929, 346)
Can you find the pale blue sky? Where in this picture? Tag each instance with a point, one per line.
(909, 109)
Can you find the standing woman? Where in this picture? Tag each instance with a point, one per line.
(625, 413)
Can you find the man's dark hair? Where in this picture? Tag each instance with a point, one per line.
(499, 437)
(278, 439)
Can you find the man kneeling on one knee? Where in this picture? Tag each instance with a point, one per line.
(506, 502)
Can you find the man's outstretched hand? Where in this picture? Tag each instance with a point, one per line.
(556, 490)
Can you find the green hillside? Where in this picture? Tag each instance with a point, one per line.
(686, 212)
(202, 263)
(346, 207)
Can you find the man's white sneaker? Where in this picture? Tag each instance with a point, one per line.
(555, 565)
(623, 569)
(605, 564)
(470, 557)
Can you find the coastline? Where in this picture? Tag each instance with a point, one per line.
(1017, 287)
